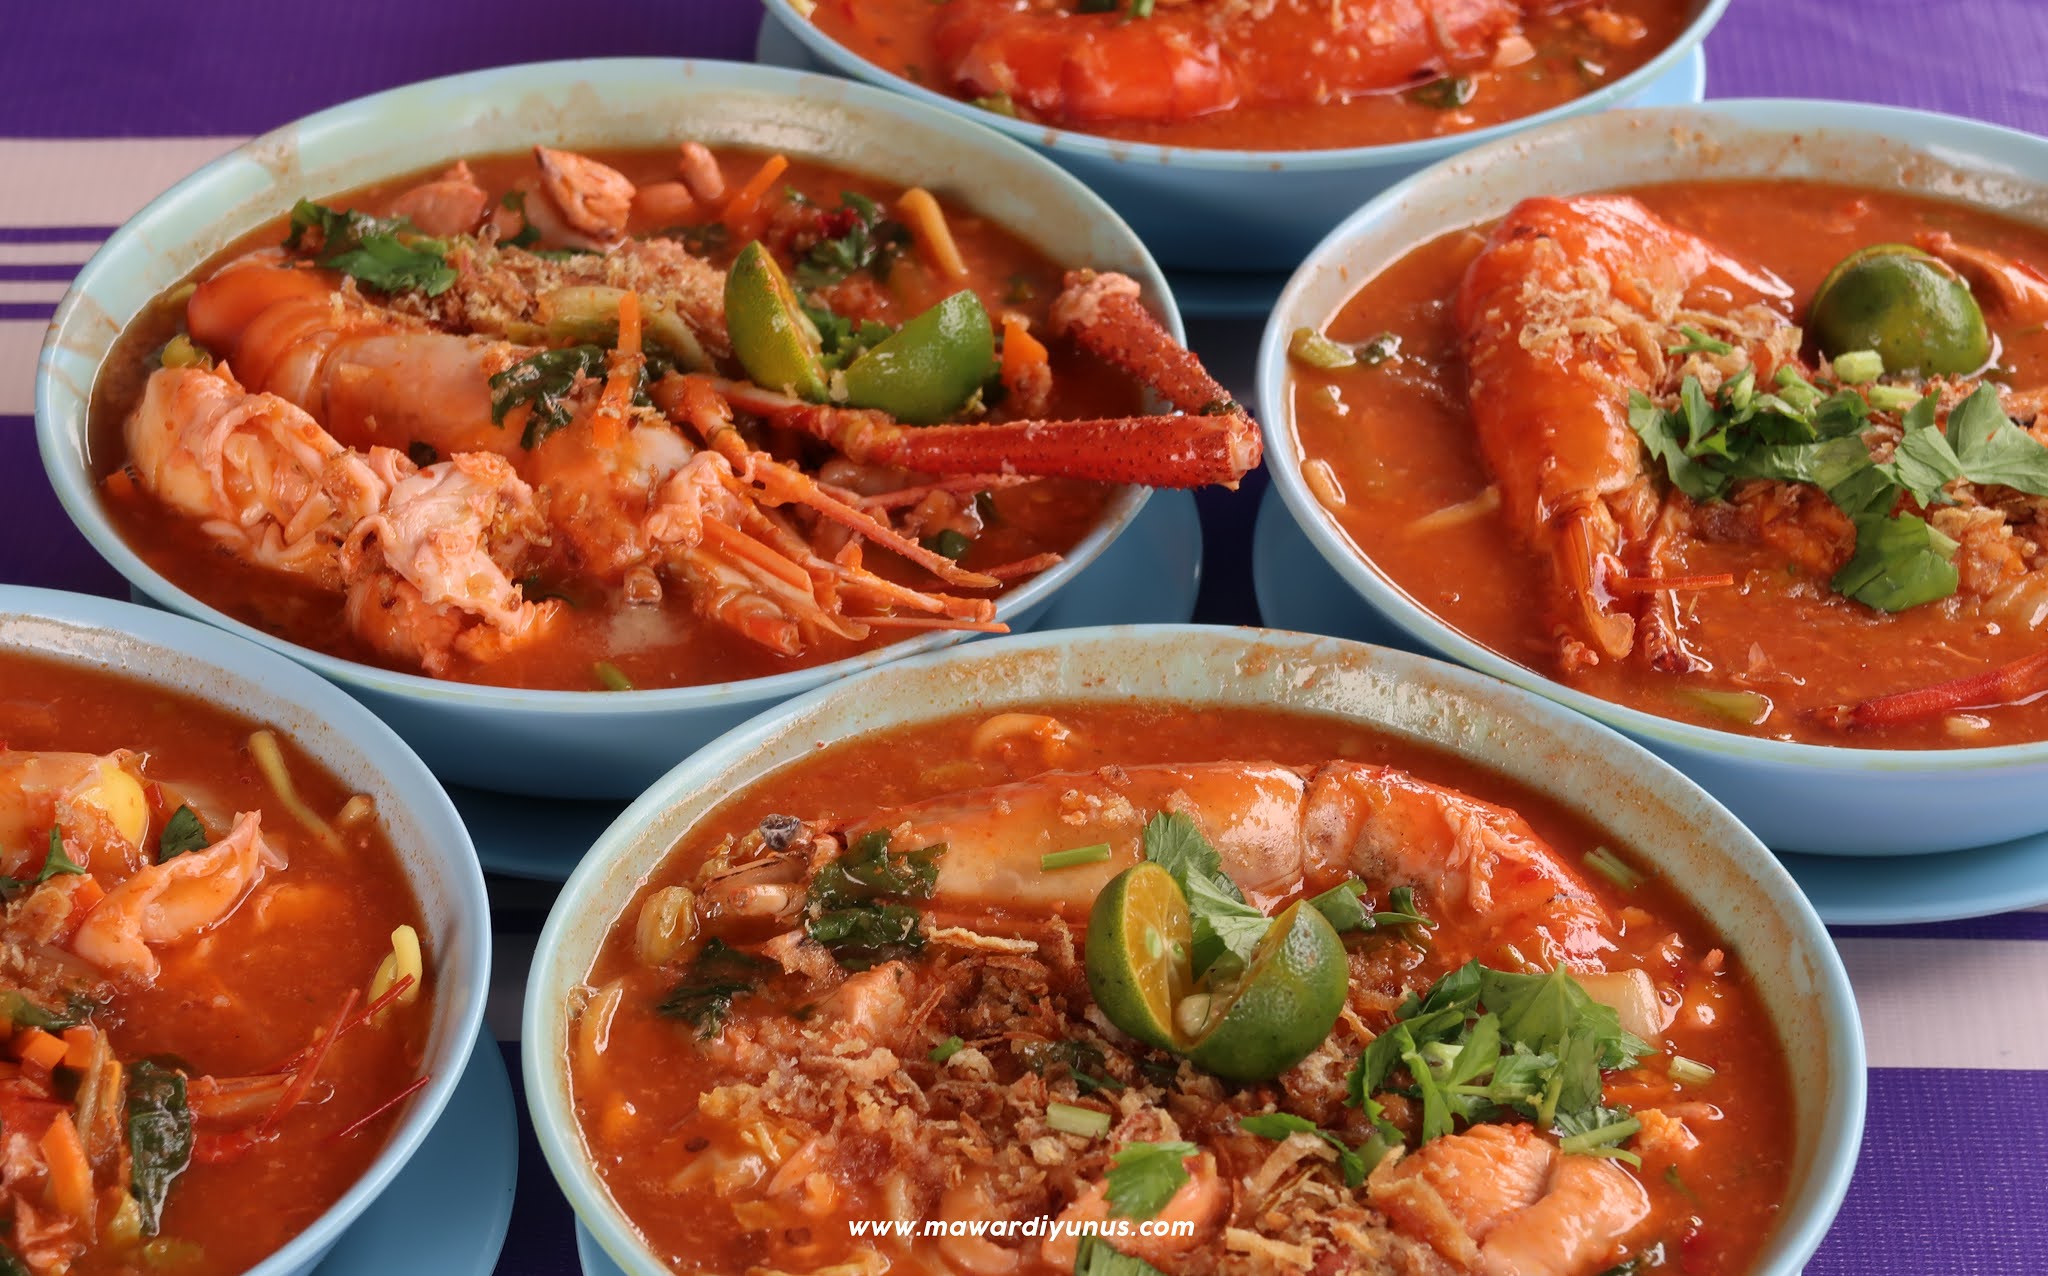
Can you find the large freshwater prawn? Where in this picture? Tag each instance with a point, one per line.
(1579, 314)
(428, 452)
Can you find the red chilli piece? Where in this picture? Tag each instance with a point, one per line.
(2007, 684)
(386, 1106)
(1663, 584)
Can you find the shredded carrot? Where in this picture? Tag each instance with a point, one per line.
(38, 1049)
(70, 1172)
(608, 423)
(78, 1046)
(1022, 352)
(381, 1108)
(1661, 584)
(928, 225)
(738, 215)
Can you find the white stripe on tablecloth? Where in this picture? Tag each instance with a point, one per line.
(67, 252)
(1979, 992)
(94, 181)
(19, 341)
(31, 289)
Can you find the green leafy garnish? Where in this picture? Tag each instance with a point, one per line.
(1341, 906)
(545, 381)
(529, 234)
(19, 1010)
(383, 253)
(159, 1138)
(997, 104)
(182, 832)
(11, 1264)
(946, 1049)
(854, 905)
(718, 974)
(1096, 1257)
(1143, 1177)
(1613, 868)
(949, 542)
(1796, 433)
(1221, 922)
(870, 242)
(610, 676)
(55, 863)
(841, 340)
(1447, 93)
(1353, 1163)
(1083, 1060)
(1484, 1044)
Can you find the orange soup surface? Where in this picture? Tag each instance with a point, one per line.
(175, 1056)
(1402, 473)
(732, 1051)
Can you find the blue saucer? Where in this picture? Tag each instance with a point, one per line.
(1297, 590)
(447, 1211)
(591, 1255)
(1148, 575)
(1217, 294)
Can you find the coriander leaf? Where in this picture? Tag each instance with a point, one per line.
(1924, 462)
(1659, 431)
(717, 975)
(1096, 1257)
(1143, 1177)
(159, 1138)
(1598, 1133)
(853, 905)
(1220, 921)
(383, 253)
(1340, 906)
(1900, 562)
(1351, 1162)
(1401, 910)
(545, 381)
(842, 340)
(55, 864)
(182, 832)
(1991, 449)
(863, 237)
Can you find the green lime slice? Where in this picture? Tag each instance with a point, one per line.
(930, 367)
(772, 339)
(1137, 953)
(1282, 1007)
(1914, 310)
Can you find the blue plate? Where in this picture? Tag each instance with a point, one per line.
(594, 1260)
(1297, 590)
(448, 1210)
(1217, 294)
(1148, 575)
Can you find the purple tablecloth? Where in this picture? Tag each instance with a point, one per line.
(1956, 1155)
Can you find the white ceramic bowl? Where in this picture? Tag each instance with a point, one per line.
(1797, 797)
(1697, 845)
(192, 659)
(1223, 210)
(559, 743)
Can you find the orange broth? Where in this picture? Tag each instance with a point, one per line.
(1399, 443)
(643, 1109)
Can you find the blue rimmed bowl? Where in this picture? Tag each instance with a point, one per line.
(1235, 210)
(1698, 847)
(1797, 797)
(432, 846)
(559, 743)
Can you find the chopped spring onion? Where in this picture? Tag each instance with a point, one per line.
(1890, 398)
(269, 757)
(1095, 854)
(1068, 1119)
(1690, 1071)
(1855, 367)
(1697, 342)
(1603, 1141)
(1610, 866)
(610, 677)
(947, 1049)
(1318, 351)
